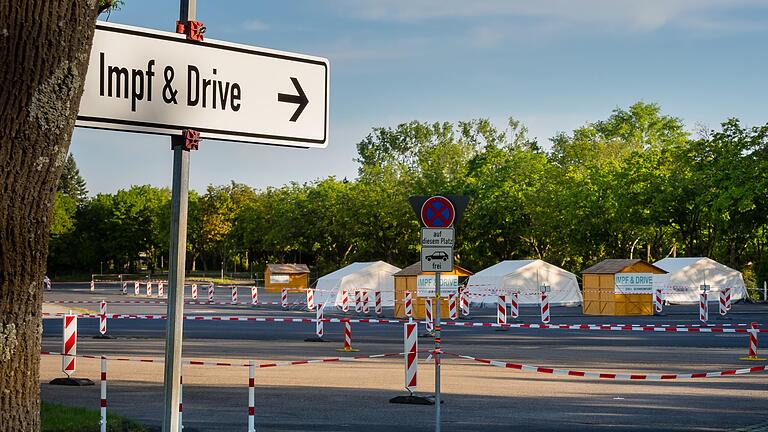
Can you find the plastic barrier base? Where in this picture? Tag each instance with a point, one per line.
(749, 358)
(104, 336)
(347, 350)
(314, 339)
(76, 382)
(413, 400)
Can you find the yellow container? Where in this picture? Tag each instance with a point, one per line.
(293, 277)
(405, 280)
(599, 293)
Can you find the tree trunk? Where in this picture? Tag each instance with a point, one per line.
(44, 47)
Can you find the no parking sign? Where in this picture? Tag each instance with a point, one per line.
(437, 212)
(437, 215)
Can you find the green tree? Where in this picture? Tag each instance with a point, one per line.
(71, 183)
(43, 73)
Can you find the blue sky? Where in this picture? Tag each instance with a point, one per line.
(553, 64)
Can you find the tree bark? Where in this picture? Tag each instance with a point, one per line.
(44, 51)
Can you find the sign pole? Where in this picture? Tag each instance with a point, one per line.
(176, 266)
(437, 353)
(437, 215)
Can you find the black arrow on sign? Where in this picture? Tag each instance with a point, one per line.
(300, 99)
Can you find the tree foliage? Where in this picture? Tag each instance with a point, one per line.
(633, 184)
(71, 183)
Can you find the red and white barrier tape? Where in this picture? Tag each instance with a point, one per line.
(230, 364)
(608, 327)
(163, 302)
(613, 376)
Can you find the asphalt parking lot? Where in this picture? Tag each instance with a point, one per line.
(354, 396)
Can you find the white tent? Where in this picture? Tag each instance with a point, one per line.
(682, 283)
(363, 276)
(525, 277)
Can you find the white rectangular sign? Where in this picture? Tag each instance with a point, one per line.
(143, 80)
(425, 285)
(279, 278)
(437, 237)
(437, 259)
(633, 283)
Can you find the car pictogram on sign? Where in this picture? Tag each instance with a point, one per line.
(437, 255)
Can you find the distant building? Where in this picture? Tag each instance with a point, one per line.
(291, 276)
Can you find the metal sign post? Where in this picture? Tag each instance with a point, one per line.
(178, 84)
(176, 263)
(437, 352)
(437, 215)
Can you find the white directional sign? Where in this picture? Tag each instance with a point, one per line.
(143, 80)
(437, 259)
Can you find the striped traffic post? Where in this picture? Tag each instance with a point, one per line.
(704, 304)
(181, 406)
(160, 289)
(254, 295)
(211, 291)
(501, 309)
(411, 360)
(310, 299)
(103, 421)
(234, 295)
(728, 298)
(358, 303)
(251, 398)
(102, 321)
(723, 307)
(93, 285)
(752, 343)
(69, 354)
(366, 309)
(125, 288)
(377, 303)
(103, 317)
(136, 288)
(411, 350)
(408, 304)
(464, 300)
(429, 322)
(149, 289)
(345, 301)
(69, 343)
(514, 305)
(319, 321)
(194, 292)
(284, 298)
(658, 303)
(545, 312)
(453, 310)
(347, 337)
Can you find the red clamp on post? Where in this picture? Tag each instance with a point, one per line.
(193, 29)
(189, 140)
